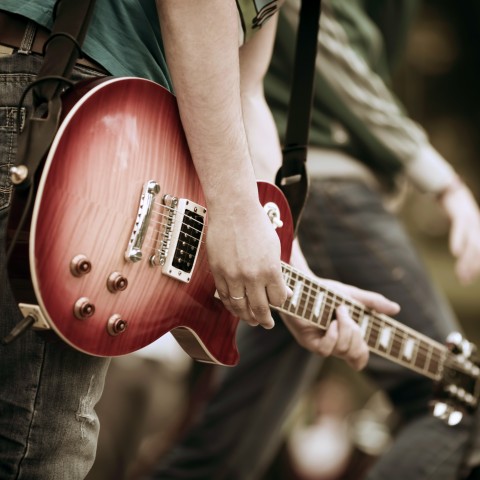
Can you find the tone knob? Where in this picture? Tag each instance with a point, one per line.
(83, 308)
(80, 265)
(116, 282)
(116, 325)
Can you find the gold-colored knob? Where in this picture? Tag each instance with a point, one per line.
(80, 265)
(83, 308)
(116, 282)
(116, 325)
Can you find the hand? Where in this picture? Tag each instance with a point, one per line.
(244, 257)
(343, 338)
(462, 210)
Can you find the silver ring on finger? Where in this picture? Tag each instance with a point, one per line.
(232, 297)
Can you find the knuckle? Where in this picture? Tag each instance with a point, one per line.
(237, 307)
(342, 348)
(277, 299)
(325, 349)
(260, 310)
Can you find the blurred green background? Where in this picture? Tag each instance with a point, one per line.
(438, 81)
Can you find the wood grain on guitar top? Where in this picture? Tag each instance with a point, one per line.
(120, 135)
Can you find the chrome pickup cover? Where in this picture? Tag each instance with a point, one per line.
(182, 239)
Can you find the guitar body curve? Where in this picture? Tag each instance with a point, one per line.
(119, 135)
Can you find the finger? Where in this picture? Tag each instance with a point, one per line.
(232, 305)
(376, 301)
(356, 355)
(241, 308)
(277, 292)
(259, 307)
(324, 345)
(468, 264)
(222, 293)
(239, 304)
(345, 332)
(456, 239)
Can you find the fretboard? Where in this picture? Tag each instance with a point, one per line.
(383, 335)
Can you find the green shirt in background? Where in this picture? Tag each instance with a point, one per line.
(354, 110)
(129, 46)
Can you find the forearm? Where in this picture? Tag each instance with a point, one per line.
(261, 129)
(208, 93)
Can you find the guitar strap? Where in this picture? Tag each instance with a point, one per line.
(292, 176)
(62, 49)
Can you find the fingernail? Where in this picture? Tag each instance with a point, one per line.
(270, 326)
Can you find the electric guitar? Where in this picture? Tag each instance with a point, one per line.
(113, 257)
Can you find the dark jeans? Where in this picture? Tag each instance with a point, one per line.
(48, 425)
(346, 234)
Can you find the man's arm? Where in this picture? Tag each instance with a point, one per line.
(343, 338)
(202, 51)
(362, 101)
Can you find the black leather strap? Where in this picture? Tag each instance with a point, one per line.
(292, 176)
(61, 53)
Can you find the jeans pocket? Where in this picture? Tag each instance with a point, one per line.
(8, 149)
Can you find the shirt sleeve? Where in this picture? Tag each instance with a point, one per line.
(369, 100)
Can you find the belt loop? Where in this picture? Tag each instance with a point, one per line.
(27, 40)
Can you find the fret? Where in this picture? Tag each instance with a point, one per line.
(383, 335)
(428, 357)
(365, 325)
(435, 360)
(308, 298)
(397, 343)
(374, 333)
(329, 306)
(327, 314)
(325, 307)
(358, 313)
(421, 356)
(290, 304)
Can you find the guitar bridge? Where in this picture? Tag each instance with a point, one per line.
(142, 221)
(180, 240)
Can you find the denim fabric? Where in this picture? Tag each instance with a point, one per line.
(48, 391)
(346, 234)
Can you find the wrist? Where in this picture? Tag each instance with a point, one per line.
(452, 187)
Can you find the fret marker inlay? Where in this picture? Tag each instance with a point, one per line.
(318, 304)
(385, 337)
(364, 324)
(297, 291)
(408, 349)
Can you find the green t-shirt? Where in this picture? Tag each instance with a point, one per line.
(124, 35)
(129, 46)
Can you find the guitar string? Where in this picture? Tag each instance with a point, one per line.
(174, 210)
(161, 214)
(428, 350)
(376, 323)
(153, 239)
(425, 347)
(160, 229)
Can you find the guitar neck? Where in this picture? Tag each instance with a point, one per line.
(383, 335)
